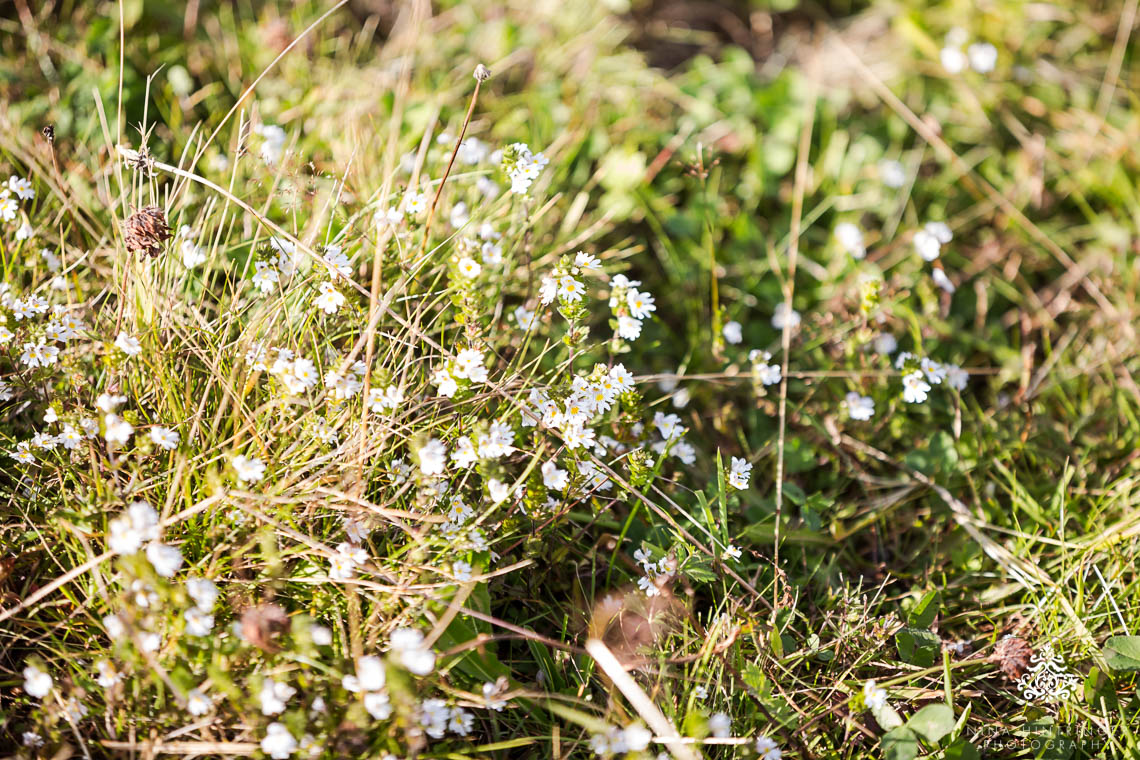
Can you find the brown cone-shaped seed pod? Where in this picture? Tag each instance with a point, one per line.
(146, 230)
(1012, 654)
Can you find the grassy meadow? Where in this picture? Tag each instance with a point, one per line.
(639, 378)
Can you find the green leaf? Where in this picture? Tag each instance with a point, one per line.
(962, 750)
(927, 608)
(1122, 653)
(700, 572)
(1098, 688)
(886, 717)
(917, 646)
(932, 722)
(754, 677)
(900, 744)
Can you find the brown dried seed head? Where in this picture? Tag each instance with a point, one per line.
(1012, 655)
(262, 624)
(146, 230)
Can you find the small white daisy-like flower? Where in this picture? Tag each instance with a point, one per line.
(952, 59)
(469, 267)
(37, 683)
(850, 238)
(116, 430)
(203, 591)
(739, 473)
(956, 377)
(166, 560)
(8, 208)
(407, 644)
(892, 173)
(274, 696)
(860, 407)
(128, 345)
(433, 457)
(329, 299)
(720, 725)
(983, 57)
(874, 696)
(107, 402)
(198, 622)
(415, 203)
(21, 187)
(927, 245)
(885, 343)
(248, 469)
(940, 230)
(628, 328)
(915, 388)
(783, 317)
(278, 743)
(732, 552)
(768, 749)
(164, 437)
(553, 477)
(733, 332)
(640, 303)
(197, 702)
(570, 290)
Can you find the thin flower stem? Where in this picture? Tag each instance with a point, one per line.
(450, 163)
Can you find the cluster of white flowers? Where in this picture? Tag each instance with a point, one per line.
(981, 56)
(657, 574)
(522, 166)
(739, 473)
(437, 718)
(920, 374)
(563, 284)
(200, 617)
(475, 253)
(370, 681)
(15, 190)
(764, 369)
(616, 741)
(76, 428)
(329, 298)
(138, 528)
(630, 306)
(929, 240)
(273, 142)
(672, 441)
(274, 267)
(466, 369)
(590, 396)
